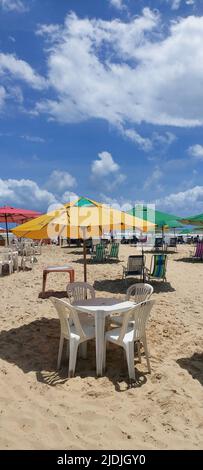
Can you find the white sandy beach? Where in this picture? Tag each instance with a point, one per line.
(41, 408)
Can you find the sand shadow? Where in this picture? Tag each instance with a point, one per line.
(93, 263)
(159, 286)
(189, 260)
(34, 348)
(53, 293)
(119, 286)
(194, 365)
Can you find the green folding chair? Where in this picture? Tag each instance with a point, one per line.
(158, 267)
(99, 256)
(114, 251)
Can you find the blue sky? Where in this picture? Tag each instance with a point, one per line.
(102, 99)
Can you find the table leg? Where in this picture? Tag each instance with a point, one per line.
(71, 273)
(44, 282)
(99, 326)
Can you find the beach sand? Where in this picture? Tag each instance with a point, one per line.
(41, 408)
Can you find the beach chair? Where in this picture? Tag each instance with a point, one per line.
(28, 256)
(198, 254)
(100, 255)
(74, 331)
(77, 291)
(6, 260)
(135, 266)
(157, 269)
(159, 243)
(137, 293)
(129, 333)
(114, 251)
(172, 243)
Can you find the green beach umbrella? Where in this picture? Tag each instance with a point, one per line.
(194, 220)
(161, 219)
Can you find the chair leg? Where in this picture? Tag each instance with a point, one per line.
(73, 356)
(83, 350)
(129, 349)
(144, 340)
(60, 351)
(104, 356)
(138, 351)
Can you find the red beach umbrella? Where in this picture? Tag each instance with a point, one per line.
(16, 215)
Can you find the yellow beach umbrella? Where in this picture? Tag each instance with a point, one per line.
(82, 218)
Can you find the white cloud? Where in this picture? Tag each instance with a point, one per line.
(32, 138)
(185, 202)
(164, 139)
(60, 181)
(3, 96)
(119, 4)
(104, 165)
(125, 72)
(143, 142)
(18, 192)
(69, 196)
(153, 179)
(175, 4)
(196, 151)
(105, 172)
(20, 70)
(13, 5)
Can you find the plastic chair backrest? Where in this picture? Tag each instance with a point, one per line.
(66, 311)
(139, 314)
(140, 292)
(79, 291)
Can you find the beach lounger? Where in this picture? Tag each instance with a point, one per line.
(129, 333)
(157, 269)
(74, 331)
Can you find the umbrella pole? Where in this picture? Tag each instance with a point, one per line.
(162, 228)
(85, 260)
(7, 230)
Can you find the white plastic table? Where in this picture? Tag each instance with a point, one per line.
(101, 307)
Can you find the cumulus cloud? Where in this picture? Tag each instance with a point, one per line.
(13, 5)
(130, 71)
(25, 191)
(196, 151)
(106, 172)
(119, 4)
(60, 181)
(175, 4)
(20, 70)
(185, 202)
(143, 142)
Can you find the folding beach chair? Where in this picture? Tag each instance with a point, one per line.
(99, 256)
(198, 254)
(157, 268)
(114, 250)
(135, 266)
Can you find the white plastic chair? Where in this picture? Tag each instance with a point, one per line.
(138, 293)
(76, 333)
(6, 260)
(28, 255)
(128, 334)
(79, 291)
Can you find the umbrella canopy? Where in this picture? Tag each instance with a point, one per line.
(161, 219)
(82, 218)
(14, 215)
(194, 220)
